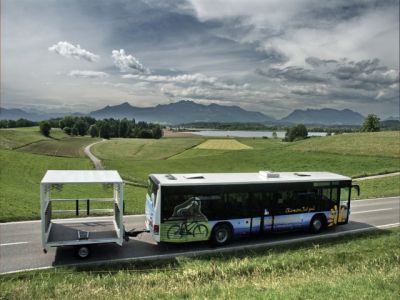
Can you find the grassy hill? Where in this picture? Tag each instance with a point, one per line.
(21, 170)
(352, 267)
(385, 143)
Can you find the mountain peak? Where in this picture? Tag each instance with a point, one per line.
(324, 116)
(183, 111)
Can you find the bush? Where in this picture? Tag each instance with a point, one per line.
(298, 132)
(45, 128)
(67, 130)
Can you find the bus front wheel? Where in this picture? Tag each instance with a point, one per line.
(317, 224)
(221, 235)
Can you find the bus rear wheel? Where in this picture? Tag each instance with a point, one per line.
(221, 235)
(317, 224)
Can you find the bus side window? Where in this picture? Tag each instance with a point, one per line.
(256, 205)
(238, 205)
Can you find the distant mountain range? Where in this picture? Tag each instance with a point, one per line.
(325, 116)
(181, 112)
(190, 112)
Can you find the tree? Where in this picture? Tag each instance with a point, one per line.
(74, 131)
(67, 130)
(81, 126)
(157, 132)
(371, 123)
(45, 128)
(104, 130)
(93, 131)
(124, 128)
(298, 132)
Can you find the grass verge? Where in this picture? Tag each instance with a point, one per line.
(353, 267)
(378, 187)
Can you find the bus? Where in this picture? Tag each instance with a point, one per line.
(219, 206)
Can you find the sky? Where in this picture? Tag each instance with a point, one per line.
(269, 56)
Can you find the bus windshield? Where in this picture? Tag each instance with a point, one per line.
(152, 190)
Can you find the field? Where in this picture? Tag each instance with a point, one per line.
(379, 187)
(353, 267)
(17, 137)
(143, 149)
(22, 171)
(222, 144)
(377, 144)
(266, 155)
(69, 147)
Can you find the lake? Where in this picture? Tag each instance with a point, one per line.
(246, 133)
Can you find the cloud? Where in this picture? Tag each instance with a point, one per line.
(87, 74)
(127, 63)
(68, 50)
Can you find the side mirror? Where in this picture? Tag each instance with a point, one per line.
(357, 187)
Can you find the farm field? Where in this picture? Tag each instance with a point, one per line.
(222, 144)
(386, 143)
(143, 149)
(352, 267)
(69, 146)
(21, 171)
(266, 155)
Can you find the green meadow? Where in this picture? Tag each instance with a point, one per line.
(23, 168)
(351, 267)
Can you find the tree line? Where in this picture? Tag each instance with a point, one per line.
(106, 128)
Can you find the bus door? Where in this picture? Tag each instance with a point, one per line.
(344, 204)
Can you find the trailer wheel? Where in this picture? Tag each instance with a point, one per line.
(83, 252)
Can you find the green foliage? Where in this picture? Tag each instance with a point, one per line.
(157, 132)
(45, 128)
(81, 126)
(93, 131)
(67, 130)
(353, 267)
(371, 123)
(18, 123)
(124, 128)
(74, 131)
(104, 129)
(298, 132)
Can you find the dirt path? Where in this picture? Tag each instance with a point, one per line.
(97, 162)
(377, 176)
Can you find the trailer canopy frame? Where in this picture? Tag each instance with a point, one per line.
(67, 232)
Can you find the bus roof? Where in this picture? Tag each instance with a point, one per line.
(246, 178)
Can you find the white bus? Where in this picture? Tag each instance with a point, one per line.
(219, 206)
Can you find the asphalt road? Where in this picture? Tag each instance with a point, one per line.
(20, 245)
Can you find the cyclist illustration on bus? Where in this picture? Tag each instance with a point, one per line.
(193, 221)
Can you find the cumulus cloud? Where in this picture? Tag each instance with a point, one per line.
(127, 63)
(68, 50)
(87, 74)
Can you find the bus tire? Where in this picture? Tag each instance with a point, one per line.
(82, 252)
(221, 234)
(317, 223)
